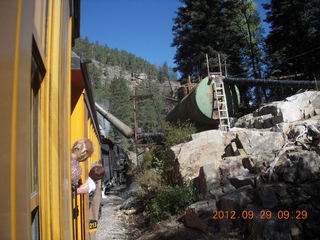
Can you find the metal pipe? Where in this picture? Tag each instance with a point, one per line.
(119, 125)
(153, 137)
(271, 83)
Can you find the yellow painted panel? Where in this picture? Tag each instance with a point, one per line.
(45, 210)
(15, 55)
(40, 21)
(67, 209)
(77, 132)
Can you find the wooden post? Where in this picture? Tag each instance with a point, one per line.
(135, 116)
(225, 68)
(220, 67)
(208, 65)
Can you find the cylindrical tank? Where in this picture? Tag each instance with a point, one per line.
(200, 106)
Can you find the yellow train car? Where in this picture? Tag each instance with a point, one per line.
(84, 124)
(41, 117)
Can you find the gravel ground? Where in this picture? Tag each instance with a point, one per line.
(111, 224)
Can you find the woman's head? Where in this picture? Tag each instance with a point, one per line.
(82, 149)
(96, 173)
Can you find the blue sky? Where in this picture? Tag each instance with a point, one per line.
(142, 27)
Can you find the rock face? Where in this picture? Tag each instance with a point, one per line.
(210, 147)
(204, 148)
(300, 106)
(258, 170)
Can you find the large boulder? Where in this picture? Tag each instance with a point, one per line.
(214, 147)
(255, 142)
(204, 148)
(297, 107)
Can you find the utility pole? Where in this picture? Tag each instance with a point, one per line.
(135, 98)
(135, 115)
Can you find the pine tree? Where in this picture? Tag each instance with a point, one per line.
(229, 27)
(293, 42)
(163, 73)
(120, 100)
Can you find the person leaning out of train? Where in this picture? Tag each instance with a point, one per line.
(96, 173)
(81, 151)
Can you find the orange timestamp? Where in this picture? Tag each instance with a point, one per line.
(263, 214)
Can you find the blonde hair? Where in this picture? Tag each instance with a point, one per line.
(83, 148)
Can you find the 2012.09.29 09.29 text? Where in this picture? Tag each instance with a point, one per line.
(263, 214)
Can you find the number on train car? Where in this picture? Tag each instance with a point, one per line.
(93, 224)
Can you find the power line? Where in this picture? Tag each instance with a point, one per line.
(304, 53)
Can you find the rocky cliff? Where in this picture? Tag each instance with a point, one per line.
(261, 180)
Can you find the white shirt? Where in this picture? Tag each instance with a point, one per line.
(91, 185)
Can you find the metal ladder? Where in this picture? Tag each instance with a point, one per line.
(221, 104)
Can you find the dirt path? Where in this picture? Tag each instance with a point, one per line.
(112, 224)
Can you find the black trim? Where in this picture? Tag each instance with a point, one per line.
(70, 8)
(75, 19)
(90, 99)
(38, 59)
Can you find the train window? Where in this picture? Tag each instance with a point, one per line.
(37, 75)
(35, 135)
(35, 224)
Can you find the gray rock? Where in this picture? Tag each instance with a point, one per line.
(308, 166)
(271, 229)
(267, 197)
(128, 203)
(241, 181)
(290, 173)
(297, 107)
(259, 142)
(191, 220)
(204, 148)
(204, 209)
(234, 201)
(258, 164)
(209, 177)
(232, 166)
(213, 182)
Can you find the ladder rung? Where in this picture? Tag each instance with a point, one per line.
(219, 88)
(223, 117)
(223, 110)
(220, 95)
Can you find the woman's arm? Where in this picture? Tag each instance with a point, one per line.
(87, 187)
(84, 188)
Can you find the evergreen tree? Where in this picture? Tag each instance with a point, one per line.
(121, 105)
(293, 42)
(114, 57)
(163, 73)
(229, 27)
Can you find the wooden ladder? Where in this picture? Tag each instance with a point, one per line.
(221, 104)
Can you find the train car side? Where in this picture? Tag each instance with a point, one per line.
(39, 122)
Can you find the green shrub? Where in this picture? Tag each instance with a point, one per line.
(176, 134)
(149, 179)
(170, 201)
(160, 195)
(162, 158)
